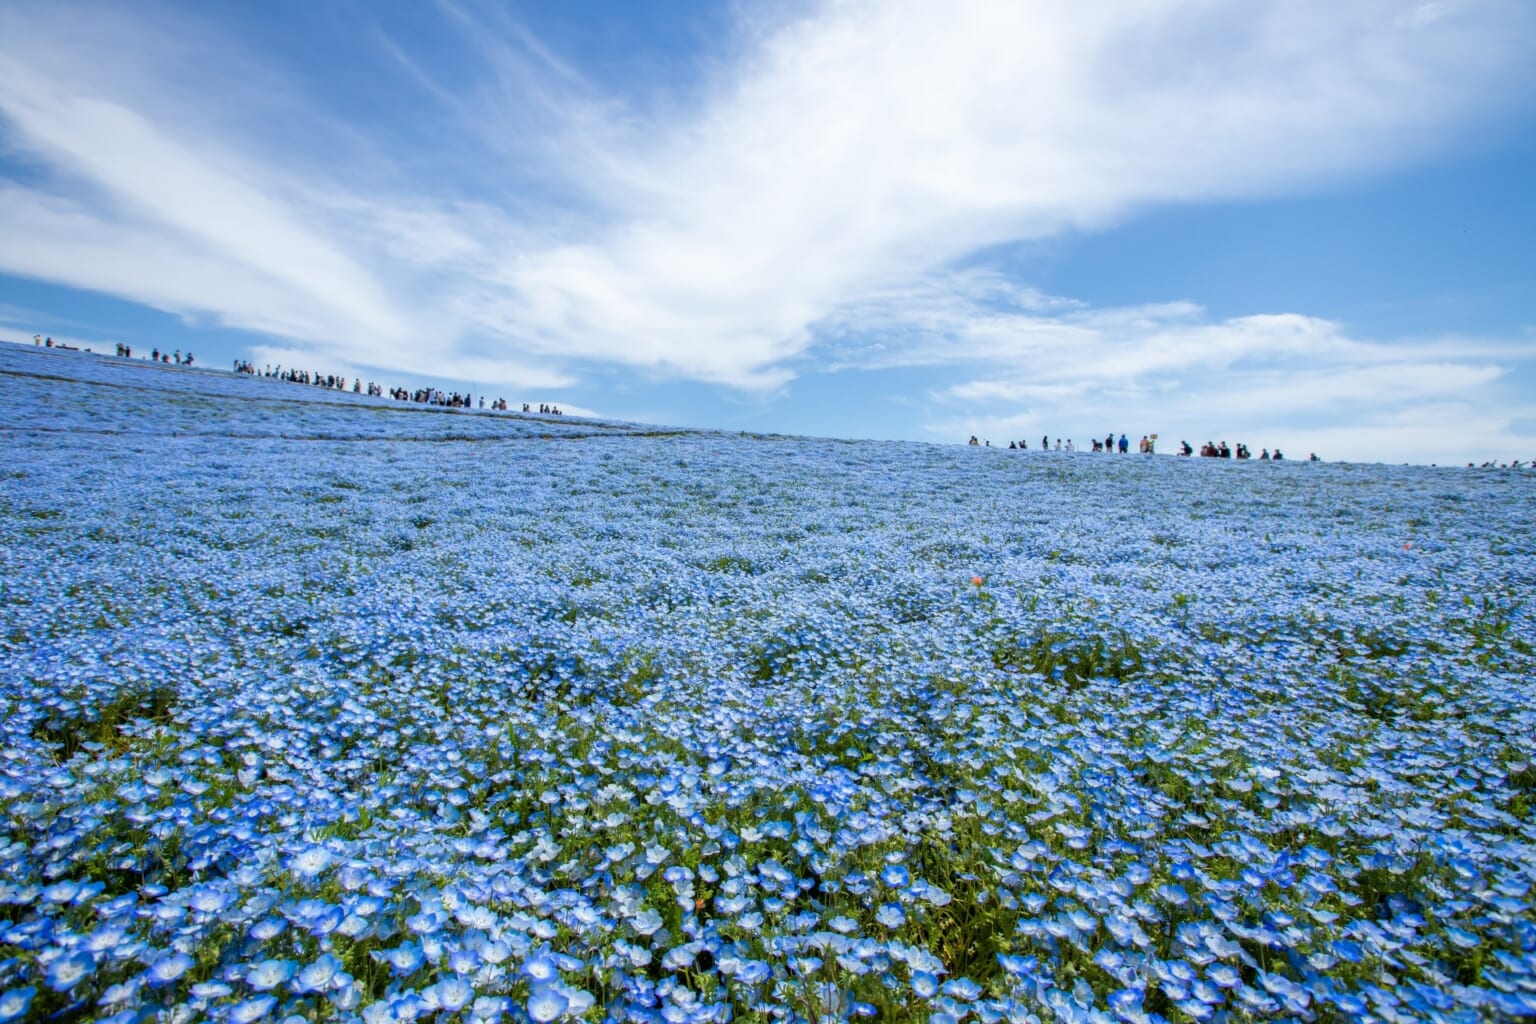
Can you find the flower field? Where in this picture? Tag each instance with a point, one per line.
(320, 707)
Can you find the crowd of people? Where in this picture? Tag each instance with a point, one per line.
(1148, 446)
(123, 351)
(333, 382)
(1211, 450)
(329, 381)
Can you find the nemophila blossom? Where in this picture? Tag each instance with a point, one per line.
(546, 1004)
(270, 973)
(268, 928)
(169, 968)
(646, 922)
(210, 990)
(403, 960)
(318, 975)
(309, 862)
(1223, 975)
(15, 1002)
(254, 1009)
(67, 971)
(450, 994)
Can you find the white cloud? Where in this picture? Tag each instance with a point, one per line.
(1300, 383)
(816, 187)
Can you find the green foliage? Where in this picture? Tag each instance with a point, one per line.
(1070, 657)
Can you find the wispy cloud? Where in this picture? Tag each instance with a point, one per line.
(458, 198)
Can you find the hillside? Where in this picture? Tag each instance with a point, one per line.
(314, 703)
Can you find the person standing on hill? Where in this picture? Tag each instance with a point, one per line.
(1125, 444)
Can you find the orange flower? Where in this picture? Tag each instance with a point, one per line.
(976, 580)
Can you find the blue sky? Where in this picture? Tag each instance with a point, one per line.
(1292, 223)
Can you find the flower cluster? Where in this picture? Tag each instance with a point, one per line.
(340, 710)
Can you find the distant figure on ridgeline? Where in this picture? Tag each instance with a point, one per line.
(1185, 449)
(1277, 457)
(1125, 444)
(1109, 441)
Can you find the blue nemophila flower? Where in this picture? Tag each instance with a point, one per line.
(896, 876)
(309, 862)
(108, 938)
(546, 1004)
(428, 922)
(252, 1009)
(270, 974)
(541, 968)
(207, 900)
(61, 892)
(489, 1009)
(1127, 1005)
(963, 989)
(317, 976)
(1223, 975)
(211, 990)
(67, 971)
(169, 968)
(1347, 949)
(268, 928)
(925, 984)
(15, 1003)
(122, 992)
(452, 994)
(472, 916)
(1462, 938)
(403, 959)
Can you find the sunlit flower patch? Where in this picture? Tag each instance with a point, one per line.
(346, 710)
